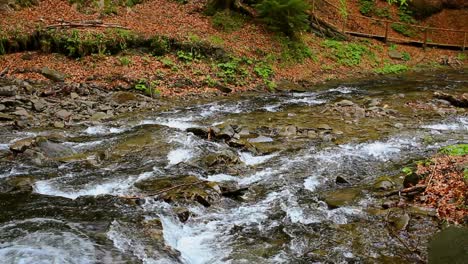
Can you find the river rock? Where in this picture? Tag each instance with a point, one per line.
(16, 184)
(22, 145)
(225, 157)
(345, 103)
(8, 90)
(6, 117)
(383, 184)
(74, 96)
(58, 124)
(324, 127)
(22, 113)
(63, 114)
(2, 107)
(39, 105)
(342, 197)
(260, 139)
(399, 219)
(288, 131)
(123, 97)
(52, 149)
(181, 189)
(394, 54)
(53, 74)
(226, 133)
(288, 86)
(199, 131)
(341, 180)
(98, 116)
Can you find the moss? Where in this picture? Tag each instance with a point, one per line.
(455, 150)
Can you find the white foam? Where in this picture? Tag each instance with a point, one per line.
(460, 123)
(103, 130)
(46, 247)
(179, 155)
(194, 242)
(55, 187)
(250, 159)
(311, 183)
(343, 89)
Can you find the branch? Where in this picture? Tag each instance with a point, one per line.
(89, 23)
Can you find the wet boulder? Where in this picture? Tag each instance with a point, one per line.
(52, 149)
(52, 74)
(383, 184)
(224, 157)
(22, 145)
(16, 184)
(181, 189)
(342, 197)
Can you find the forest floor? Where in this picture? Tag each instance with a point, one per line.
(249, 42)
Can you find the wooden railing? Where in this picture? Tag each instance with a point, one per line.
(382, 28)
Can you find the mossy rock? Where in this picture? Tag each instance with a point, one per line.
(182, 189)
(449, 246)
(342, 197)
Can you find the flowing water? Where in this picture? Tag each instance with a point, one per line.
(78, 209)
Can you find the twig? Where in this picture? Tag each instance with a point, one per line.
(84, 24)
(406, 191)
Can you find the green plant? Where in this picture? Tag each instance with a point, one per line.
(406, 56)
(228, 21)
(159, 45)
(349, 54)
(210, 81)
(294, 50)
(194, 38)
(149, 88)
(216, 40)
(343, 9)
(407, 171)
(392, 47)
(455, 150)
(271, 85)
(125, 61)
(383, 12)
(366, 7)
(263, 70)
(461, 56)
(392, 69)
(406, 16)
(286, 16)
(188, 56)
(398, 2)
(403, 29)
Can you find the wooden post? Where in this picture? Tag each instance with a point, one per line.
(464, 41)
(313, 6)
(425, 39)
(386, 31)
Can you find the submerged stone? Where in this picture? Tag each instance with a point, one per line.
(342, 197)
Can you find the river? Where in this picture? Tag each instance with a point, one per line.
(289, 157)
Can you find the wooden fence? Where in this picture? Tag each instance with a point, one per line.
(382, 28)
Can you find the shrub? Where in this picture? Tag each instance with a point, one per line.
(159, 45)
(294, 50)
(286, 16)
(392, 69)
(455, 150)
(349, 54)
(366, 7)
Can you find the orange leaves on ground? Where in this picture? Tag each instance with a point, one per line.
(447, 190)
